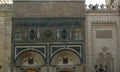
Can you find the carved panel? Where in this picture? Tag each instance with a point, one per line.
(105, 34)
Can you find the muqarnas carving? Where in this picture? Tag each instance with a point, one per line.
(109, 62)
(100, 62)
(104, 63)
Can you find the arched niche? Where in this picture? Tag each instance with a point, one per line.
(73, 58)
(30, 58)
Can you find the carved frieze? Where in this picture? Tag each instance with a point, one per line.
(48, 21)
(48, 29)
(99, 24)
(104, 63)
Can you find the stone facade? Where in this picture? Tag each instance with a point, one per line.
(50, 9)
(58, 36)
(5, 37)
(101, 36)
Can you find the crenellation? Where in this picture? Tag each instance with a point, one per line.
(102, 8)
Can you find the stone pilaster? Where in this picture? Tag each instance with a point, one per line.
(5, 37)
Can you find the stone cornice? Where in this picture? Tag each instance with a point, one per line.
(97, 24)
(48, 0)
(6, 7)
(104, 22)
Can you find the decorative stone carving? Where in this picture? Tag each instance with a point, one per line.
(107, 24)
(48, 34)
(108, 6)
(104, 49)
(109, 62)
(6, 7)
(90, 6)
(111, 1)
(64, 34)
(95, 7)
(100, 61)
(32, 34)
(114, 5)
(104, 34)
(104, 63)
(38, 34)
(102, 6)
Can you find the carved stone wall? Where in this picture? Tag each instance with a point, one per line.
(5, 37)
(101, 37)
(49, 8)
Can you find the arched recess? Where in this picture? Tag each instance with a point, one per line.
(36, 59)
(73, 58)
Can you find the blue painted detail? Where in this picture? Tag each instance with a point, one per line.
(19, 50)
(40, 49)
(48, 21)
(76, 49)
(55, 49)
(64, 34)
(32, 34)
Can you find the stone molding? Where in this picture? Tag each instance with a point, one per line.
(103, 24)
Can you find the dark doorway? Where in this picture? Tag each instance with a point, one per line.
(31, 70)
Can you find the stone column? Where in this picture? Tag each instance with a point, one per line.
(2, 45)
